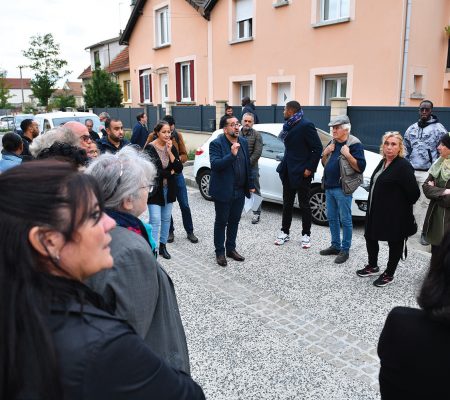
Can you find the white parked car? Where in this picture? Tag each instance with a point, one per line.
(52, 120)
(271, 188)
(6, 121)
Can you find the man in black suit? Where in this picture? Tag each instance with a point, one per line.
(301, 157)
(231, 180)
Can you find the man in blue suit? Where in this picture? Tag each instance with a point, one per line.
(303, 149)
(140, 131)
(230, 183)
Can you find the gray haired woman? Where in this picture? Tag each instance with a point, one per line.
(137, 287)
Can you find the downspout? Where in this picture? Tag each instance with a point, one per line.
(405, 52)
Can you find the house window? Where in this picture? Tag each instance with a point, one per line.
(96, 58)
(333, 87)
(246, 89)
(335, 9)
(145, 86)
(244, 19)
(185, 81)
(448, 55)
(126, 91)
(162, 26)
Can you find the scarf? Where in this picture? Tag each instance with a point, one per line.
(441, 167)
(134, 224)
(289, 124)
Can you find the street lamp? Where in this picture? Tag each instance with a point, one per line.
(21, 85)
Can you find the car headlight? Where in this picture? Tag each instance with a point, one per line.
(366, 184)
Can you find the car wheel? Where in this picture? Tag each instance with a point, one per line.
(318, 206)
(203, 183)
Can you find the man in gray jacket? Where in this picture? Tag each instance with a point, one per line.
(255, 146)
(421, 141)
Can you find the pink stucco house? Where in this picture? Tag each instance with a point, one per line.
(372, 52)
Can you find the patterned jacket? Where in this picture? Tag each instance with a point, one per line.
(421, 143)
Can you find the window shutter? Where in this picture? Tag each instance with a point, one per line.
(191, 80)
(178, 80)
(141, 87)
(150, 95)
(244, 9)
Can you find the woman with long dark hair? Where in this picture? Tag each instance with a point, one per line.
(57, 338)
(414, 346)
(165, 156)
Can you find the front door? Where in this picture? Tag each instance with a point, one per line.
(164, 90)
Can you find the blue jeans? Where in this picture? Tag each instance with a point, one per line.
(183, 201)
(228, 215)
(255, 173)
(160, 220)
(339, 212)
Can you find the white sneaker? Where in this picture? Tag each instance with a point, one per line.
(306, 241)
(282, 238)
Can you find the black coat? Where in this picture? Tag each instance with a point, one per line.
(415, 356)
(303, 150)
(177, 166)
(390, 213)
(102, 358)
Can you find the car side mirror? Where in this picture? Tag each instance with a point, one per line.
(279, 157)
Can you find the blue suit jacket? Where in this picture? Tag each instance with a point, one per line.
(221, 185)
(303, 149)
(140, 135)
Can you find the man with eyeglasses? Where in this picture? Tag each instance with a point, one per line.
(82, 132)
(421, 141)
(231, 181)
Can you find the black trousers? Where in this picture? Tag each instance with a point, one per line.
(303, 201)
(395, 253)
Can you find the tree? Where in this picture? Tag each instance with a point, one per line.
(46, 65)
(62, 101)
(102, 91)
(4, 91)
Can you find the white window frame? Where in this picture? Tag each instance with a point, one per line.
(162, 26)
(338, 80)
(342, 10)
(246, 21)
(242, 85)
(185, 96)
(146, 76)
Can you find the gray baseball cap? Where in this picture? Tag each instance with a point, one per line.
(339, 120)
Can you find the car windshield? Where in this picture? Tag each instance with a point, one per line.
(19, 118)
(61, 121)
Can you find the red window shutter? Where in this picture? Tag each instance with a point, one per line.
(150, 87)
(141, 87)
(178, 80)
(191, 80)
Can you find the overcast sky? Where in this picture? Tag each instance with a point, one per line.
(74, 25)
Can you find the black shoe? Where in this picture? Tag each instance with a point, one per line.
(221, 260)
(342, 257)
(383, 280)
(368, 271)
(235, 255)
(329, 251)
(255, 219)
(171, 237)
(163, 251)
(192, 237)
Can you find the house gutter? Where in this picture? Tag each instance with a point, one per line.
(405, 52)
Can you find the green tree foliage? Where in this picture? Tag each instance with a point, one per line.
(102, 91)
(46, 65)
(4, 92)
(62, 101)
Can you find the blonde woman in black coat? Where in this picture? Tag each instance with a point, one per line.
(393, 191)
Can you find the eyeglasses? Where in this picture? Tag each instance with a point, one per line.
(235, 125)
(151, 188)
(86, 138)
(117, 183)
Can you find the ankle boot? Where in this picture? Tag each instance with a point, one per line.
(163, 251)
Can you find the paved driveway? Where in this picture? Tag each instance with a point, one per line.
(287, 323)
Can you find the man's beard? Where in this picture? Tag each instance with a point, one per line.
(246, 129)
